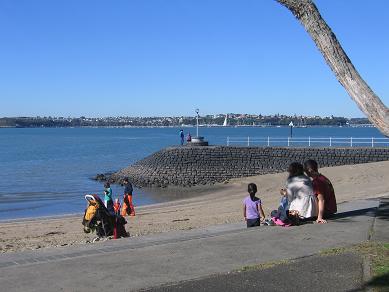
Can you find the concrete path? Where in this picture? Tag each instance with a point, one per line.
(315, 273)
(381, 223)
(337, 272)
(149, 261)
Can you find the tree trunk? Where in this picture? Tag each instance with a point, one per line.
(309, 16)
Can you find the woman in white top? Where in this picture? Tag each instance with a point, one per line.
(299, 191)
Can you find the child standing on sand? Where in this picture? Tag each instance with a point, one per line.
(252, 207)
(108, 196)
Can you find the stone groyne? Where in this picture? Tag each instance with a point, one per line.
(190, 166)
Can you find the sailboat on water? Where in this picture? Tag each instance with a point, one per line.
(225, 124)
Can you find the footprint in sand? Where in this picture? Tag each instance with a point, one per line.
(180, 220)
(54, 233)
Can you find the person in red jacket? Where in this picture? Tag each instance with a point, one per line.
(323, 189)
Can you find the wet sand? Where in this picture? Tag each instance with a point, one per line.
(214, 205)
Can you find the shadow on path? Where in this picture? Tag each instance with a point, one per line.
(383, 211)
(380, 282)
(366, 212)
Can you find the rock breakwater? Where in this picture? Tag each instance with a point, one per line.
(190, 166)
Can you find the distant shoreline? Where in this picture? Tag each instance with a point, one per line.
(188, 126)
(215, 120)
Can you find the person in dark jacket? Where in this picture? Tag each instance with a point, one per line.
(128, 206)
(182, 136)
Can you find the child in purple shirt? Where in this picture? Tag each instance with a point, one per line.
(252, 207)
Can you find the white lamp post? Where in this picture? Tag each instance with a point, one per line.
(197, 117)
(198, 141)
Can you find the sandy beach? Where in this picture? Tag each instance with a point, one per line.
(221, 204)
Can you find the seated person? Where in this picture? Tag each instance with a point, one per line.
(299, 192)
(281, 215)
(323, 189)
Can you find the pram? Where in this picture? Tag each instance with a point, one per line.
(98, 218)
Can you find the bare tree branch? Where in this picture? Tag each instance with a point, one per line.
(309, 16)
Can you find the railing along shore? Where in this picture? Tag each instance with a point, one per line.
(309, 141)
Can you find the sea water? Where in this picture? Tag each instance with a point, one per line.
(47, 171)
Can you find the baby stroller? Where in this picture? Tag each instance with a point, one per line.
(98, 218)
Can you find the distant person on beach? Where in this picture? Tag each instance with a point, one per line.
(324, 191)
(116, 207)
(108, 196)
(252, 207)
(182, 136)
(299, 192)
(128, 206)
(189, 138)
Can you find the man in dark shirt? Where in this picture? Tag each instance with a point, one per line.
(182, 136)
(128, 207)
(323, 189)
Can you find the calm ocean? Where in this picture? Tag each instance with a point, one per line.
(45, 172)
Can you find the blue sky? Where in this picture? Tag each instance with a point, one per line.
(167, 57)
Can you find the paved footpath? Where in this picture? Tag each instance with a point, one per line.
(155, 260)
(315, 273)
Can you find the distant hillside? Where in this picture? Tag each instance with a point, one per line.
(209, 120)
